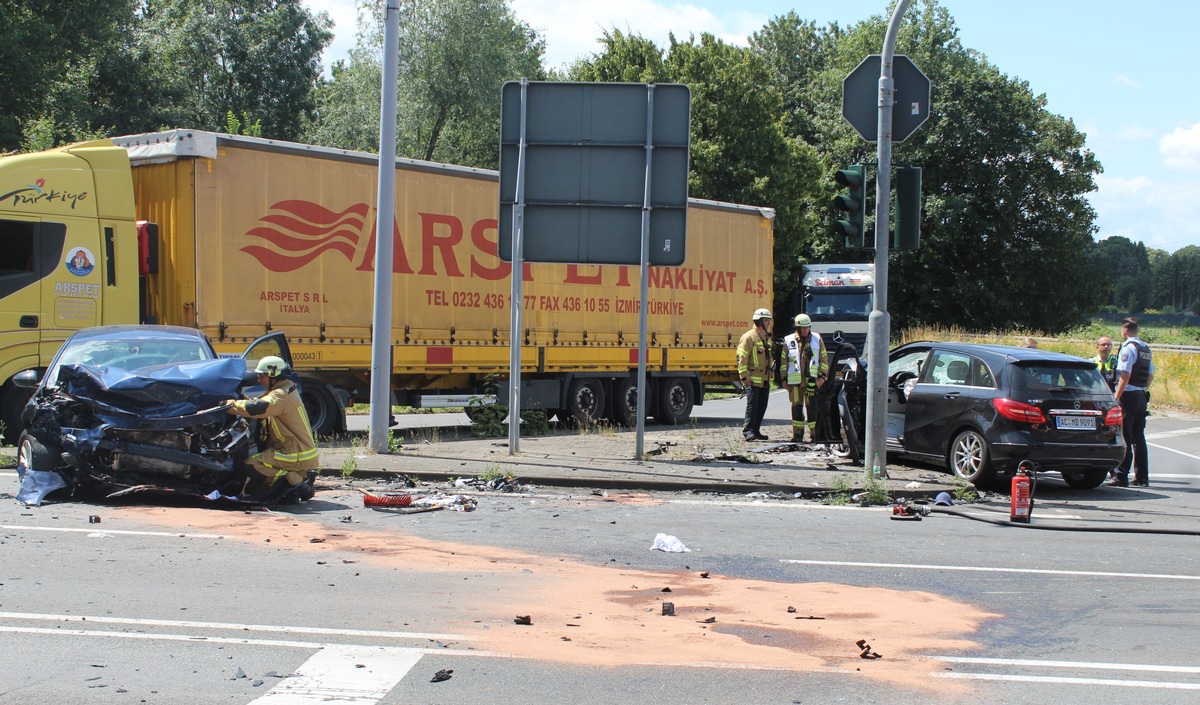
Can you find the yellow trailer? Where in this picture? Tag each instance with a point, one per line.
(241, 236)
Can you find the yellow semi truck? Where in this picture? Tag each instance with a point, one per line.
(238, 236)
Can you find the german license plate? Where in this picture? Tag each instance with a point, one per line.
(1076, 423)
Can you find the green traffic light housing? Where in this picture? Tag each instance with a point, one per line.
(907, 235)
(852, 204)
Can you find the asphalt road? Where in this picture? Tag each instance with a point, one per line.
(335, 602)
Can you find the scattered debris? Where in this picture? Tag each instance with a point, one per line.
(729, 458)
(419, 503)
(708, 620)
(442, 675)
(866, 650)
(524, 620)
(564, 638)
(316, 539)
(668, 544)
(791, 610)
(668, 609)
(704, 574)
(666, 589)
(93, 519)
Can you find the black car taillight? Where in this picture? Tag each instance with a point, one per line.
(1018, 411)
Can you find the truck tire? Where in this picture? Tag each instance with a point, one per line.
(674, 401)
(321, 406)
(585, 401)
(12, 401)
(625, 395)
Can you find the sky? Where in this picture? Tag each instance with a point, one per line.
(1119, 70)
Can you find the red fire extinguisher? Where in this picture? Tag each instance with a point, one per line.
(1023, 484)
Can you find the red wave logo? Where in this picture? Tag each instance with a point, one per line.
(297, 232)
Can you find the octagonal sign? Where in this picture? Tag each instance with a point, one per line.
(860, 97)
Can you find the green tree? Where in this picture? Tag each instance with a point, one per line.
(256, 59)
(454, 57)
(70, 70)
(740, 151)
(1123, 273)
(1005, 222)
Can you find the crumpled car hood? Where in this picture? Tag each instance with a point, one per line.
(160, 397)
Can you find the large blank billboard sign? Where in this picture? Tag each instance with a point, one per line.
(585, 171)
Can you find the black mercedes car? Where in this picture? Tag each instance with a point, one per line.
(131, 409)
(983, 409)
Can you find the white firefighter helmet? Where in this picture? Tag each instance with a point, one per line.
(803, 321)
(759, 314)
(271, 366)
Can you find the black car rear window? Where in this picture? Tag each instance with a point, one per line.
(1050, 377)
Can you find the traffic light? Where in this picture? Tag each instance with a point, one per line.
(852, 203)
(908, 208)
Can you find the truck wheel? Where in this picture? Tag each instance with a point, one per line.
(674, 401)
(1084, 479)
(12, 402)
(625, 402)
(586, 401)
(321, 406)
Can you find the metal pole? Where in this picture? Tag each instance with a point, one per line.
(385, 218)
(517, 303)
(879, 328)
(645, 285)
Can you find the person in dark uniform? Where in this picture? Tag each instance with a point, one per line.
(1135, 372)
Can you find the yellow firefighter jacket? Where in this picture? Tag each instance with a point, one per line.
(754, 359)
(289, 437)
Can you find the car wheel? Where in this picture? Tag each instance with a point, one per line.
(969, 458)
(674, 401)
(1084, 479)
(32, 454)
(586, 401)
(625, 408)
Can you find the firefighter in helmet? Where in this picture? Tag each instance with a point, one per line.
(287, 449)
(807, 368)
(754, 371)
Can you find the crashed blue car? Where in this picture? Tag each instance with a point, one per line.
(125, 410)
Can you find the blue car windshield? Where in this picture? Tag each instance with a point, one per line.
(129, 354)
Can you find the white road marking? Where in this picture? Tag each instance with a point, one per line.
(1069, 681)
(113, 532)
(1180, 452)
(985, 569)
(200, 639)
(1068, 664)
(1172, 434)
(184, 624)
(343, 674)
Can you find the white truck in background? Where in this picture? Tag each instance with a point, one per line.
(838, 298)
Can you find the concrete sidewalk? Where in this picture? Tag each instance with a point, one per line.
(708, 456)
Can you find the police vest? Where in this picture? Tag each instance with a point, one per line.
(1140, 375)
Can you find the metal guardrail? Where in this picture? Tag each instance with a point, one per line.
(1192, 349)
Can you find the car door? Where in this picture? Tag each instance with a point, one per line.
(274, 343)
(904, 365)
(938, 403)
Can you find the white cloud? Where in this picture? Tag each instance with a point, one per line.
(1181, 149)
(1123, 80)
(345, 27)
